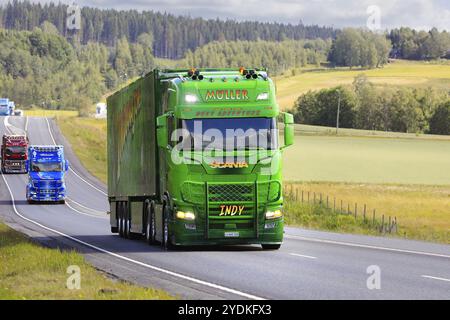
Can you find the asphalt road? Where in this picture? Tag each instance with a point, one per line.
(310, 264)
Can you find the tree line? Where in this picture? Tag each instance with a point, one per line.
(41, 68)
(173, 35)
(277, 57)
(420, 45)
(365, 106)
(359, 48)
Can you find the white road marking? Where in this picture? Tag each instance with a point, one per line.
(26, 125)
(171, 273)
(84, 213)
(73, 171)
(350, 244)
(302, 255)
(436, 278)
(100, 213)
(6, 123)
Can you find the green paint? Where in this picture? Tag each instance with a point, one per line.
(229, 198)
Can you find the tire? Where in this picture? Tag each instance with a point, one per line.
(30, 201)
(120, 218)
(126, 221)
(150, 229)
(166, 242)
(271, 246)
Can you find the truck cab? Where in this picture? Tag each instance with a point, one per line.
(194, 158)
(4, 107)
(46, 174)
(14, 153)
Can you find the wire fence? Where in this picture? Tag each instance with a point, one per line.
(383, 223)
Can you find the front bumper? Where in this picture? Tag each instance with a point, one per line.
(11, 166)
(187, 233)
(51, 195)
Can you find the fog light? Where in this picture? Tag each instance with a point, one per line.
(270, 225)
(185, 215)
(273, 214)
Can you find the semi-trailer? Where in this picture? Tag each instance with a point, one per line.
(194, 158)
(46, 168)
(14, 153)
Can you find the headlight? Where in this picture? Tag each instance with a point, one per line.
(263, 96)
(273, 214)
(185, 215)
(190, 98)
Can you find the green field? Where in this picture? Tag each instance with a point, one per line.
(368, 160)
(29, 271)
(399, 72)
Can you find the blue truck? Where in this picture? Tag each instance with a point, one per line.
(5, 108)
(46, 168)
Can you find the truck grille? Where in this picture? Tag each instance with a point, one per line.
(231, 192)
(47, 191)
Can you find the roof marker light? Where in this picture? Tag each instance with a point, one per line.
(263, 96)
(190, 98)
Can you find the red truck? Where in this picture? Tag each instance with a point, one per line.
(14, 153)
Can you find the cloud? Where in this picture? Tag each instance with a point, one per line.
(421, 14)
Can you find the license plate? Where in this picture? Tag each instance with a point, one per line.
(231, 234)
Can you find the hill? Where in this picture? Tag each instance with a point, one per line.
(397, 73)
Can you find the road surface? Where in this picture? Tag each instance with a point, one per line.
(309, 265)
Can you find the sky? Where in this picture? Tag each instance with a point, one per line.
(376, 14)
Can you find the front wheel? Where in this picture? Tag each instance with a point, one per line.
(271, 246)
(150, 230)
(120, 218)
(166, 242)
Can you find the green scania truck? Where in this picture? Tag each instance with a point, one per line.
(194, 158)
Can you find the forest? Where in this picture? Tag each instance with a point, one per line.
(44, 65)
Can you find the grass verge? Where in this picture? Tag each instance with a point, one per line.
(29, 271)
(422, 211)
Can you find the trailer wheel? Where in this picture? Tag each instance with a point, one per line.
(271, 246)
(120, 218)
(126, 221)
(166, 242)
(150, 230)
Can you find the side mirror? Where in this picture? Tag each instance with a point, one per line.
(288, 129)
(27, 165)
(161, 131)
(66, 165)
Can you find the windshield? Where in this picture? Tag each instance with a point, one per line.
(230, 134)
(13, 150)
(46, 167)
